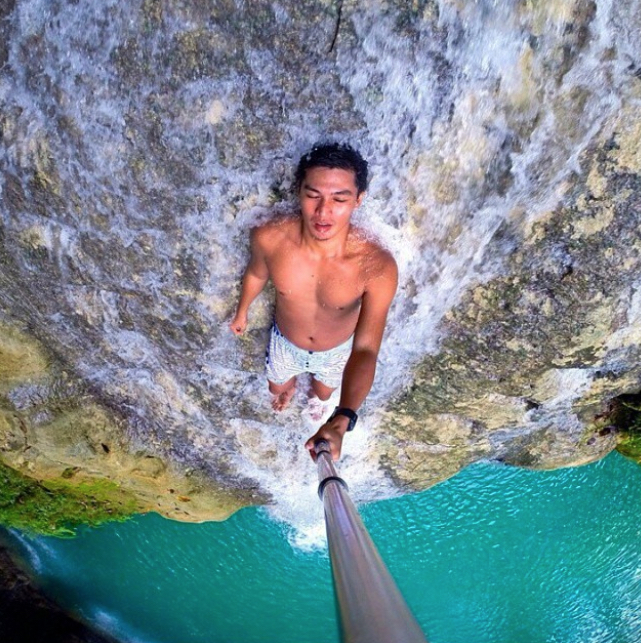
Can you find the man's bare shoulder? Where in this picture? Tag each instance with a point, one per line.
(377, 260)
(275, 232)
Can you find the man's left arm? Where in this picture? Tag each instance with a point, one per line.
(360, 369)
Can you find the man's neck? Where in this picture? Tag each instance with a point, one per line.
(325, 248)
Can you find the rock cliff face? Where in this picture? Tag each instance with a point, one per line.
(532, 360)
(139, 143)
(53, 428)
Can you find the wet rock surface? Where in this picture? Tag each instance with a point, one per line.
(53, 428)
(139, 143)
(530, 360)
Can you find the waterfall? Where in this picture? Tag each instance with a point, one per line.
(142, 140)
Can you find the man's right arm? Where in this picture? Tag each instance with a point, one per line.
(254, 280)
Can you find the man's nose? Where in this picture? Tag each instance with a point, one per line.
(323, 206)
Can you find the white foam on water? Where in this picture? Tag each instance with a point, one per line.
(35, 560)
(42, 558)
(114, 626)
(32, 16)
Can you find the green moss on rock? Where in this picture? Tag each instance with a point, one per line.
(57, 507)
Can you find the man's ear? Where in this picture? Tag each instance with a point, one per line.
(360, 197)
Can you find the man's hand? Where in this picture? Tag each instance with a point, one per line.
(238, 325)
(333, 432)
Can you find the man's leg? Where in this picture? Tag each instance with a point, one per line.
(281, 363)
(322, 391)
(282, 393)
(327, 373)
(318, 394)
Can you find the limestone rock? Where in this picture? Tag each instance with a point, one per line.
(141, 141)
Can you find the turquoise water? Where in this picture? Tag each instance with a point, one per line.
(494, 554)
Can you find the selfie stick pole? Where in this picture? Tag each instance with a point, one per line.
(371, 608)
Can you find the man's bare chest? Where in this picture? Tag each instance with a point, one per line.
(329, 284)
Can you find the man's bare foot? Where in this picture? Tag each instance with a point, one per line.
(281, 401)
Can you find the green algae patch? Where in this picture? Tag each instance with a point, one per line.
(57, 507)
(630, 446)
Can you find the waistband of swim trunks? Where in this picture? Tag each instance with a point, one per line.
(337, 349)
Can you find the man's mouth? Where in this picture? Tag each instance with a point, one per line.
(322, 227)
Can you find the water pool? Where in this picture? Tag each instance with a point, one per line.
(495, 554)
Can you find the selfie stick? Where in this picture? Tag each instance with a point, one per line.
(371, 607)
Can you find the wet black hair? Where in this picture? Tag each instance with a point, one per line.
(335, 156)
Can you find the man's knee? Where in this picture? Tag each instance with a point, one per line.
(277, 389)
(322, 391)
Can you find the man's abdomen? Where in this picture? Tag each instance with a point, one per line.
(319, 331)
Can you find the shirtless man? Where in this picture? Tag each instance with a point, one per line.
(333, 287)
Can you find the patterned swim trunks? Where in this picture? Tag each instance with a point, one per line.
(284, 360)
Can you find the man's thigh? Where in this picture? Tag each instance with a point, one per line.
(327, 367)
(282, 361)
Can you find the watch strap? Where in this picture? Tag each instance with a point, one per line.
(348, 413)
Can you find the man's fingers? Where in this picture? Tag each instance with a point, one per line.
(334, 445)
(310, 445)
(236, 329)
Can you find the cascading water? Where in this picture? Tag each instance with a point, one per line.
(142, 140)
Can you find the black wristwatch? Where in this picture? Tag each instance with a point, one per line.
(348, 413)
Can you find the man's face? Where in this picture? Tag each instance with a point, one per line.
(328, 196)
